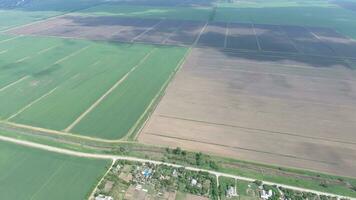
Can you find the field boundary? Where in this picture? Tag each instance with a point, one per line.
(240, 148)
(289, 39)
(108, 92)
(109, 40)
(55, 132)
(47, 181)
(256, 37)
(278, 54)
(91, 196)
(261, 130)
(295, 100)
(319, 39)
(171, 33)
(14, 83)
(135, 131)
(229, 68)
(226, 34)
(71, 55)
(36, 54)
(147, 30)
(48, 49)
(22, 59)
(30, 104)
(280, 65)
(9, 39)
(200, 33)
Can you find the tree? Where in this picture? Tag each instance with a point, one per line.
(199, 158)
(177, 151)
(213, 165)
(258, 182)
(184, 153)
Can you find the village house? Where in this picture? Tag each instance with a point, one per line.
(231, 192)
(266, 195)
(103, 197)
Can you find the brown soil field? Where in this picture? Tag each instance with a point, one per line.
(296, 111)
(151, 31)
(277, 38)
(220, 35)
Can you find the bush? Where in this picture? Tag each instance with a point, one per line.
(213, 165)
(177, 151)
(323, 184)
(258, 182)
(199, 159)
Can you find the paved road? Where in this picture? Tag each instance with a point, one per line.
(114, 158)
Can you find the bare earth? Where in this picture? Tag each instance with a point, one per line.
(219, 35)
(296, 111)
(152, 31)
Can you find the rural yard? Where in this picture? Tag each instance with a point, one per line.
(253, 90)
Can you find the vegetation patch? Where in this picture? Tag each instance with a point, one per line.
(154, 12)
(299, 13)
(58, 80)
(28, 173)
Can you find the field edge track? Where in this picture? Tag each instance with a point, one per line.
(107, 93)
(136, 129)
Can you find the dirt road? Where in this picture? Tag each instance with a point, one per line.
(114, 158)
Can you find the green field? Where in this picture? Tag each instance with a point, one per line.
(59, 5)
(12, 15)
(50, 83)
(159, 12)
(129, 101)
(34, 174)
(303, 13)
(12, 18)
